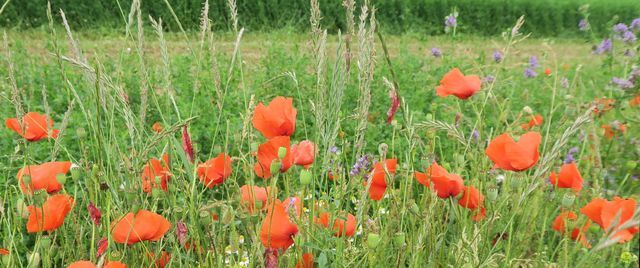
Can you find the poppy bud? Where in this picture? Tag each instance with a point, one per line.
(373, 240)
(527, 110)
(61, 178)
(282, 152)
(34, 260)
(631, 164)
(567, 200)
(178, 210)
(382, 149)
(305, 177)
(22, 209)
(81, 133)
(399, 239)
(76, 172)
(115, 254)
(254, 146)
(275, 167)
(45, 242)
(492, 193)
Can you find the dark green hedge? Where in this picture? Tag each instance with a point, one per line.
(482, 17)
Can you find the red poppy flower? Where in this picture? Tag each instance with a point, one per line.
(160, 262)
(341, 226)
(508, 154)
(114, 264)
(569, 177)
(577, 234)
(306, 261)
(215, 171)
(437, 178)
(268, 152)
(604, 212)
(34, 127)
(536, 120)
(378, 178)
(251, 195)
(613, 129)
(157, 127)
(51, 215)
(635, 101)
(155, 174)
(4, 251)
(277, 230)
(472, 199)
(547, 72)
(457, 84)
(43, 177)
(144, 226)
(277, 119)
(81, 264)
(94, 213)
(303, 153)
(603, 105)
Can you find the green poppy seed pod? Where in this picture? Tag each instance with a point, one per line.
(631, 164)
(34, 260)
(39, 197)
(115, 254)
(81, 133)
(254, 147)
(178, 210)
(76, 172)
(45, 242)
(399, 238)
(205, 217)
(567, 200)
(305, 177)
(275, 167)
(21, 207)
(492, 193)
(373, 240)
(61, 178)
(282, 152)
(527, 110)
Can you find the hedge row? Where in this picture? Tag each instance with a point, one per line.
(482, 17)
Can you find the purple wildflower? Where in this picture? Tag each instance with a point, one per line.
(573, 150)
(628, 37)
(603, 47)
(564, 82)
(333, 149)
(635, 25)
(533, 62)
(622, 83)
(583, 25)
(530, 73)
(489, 79)
(475, 135)
(436, 52)
(620, 28)
(362, 166)
(450, 21)
(497, 56)
(569, 158)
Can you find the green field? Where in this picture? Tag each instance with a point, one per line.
(105, 88)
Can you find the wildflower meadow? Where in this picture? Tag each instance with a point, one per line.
(153, 143)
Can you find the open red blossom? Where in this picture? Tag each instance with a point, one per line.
(536, 120)
(395, 104)
(34, 127)
(277, 229)
(378, 178)
(51, 215)
(143, 226)
(605, 212)
(577, 234)
(457, 84)
(569, 177)
(187, 146)
(82, 264)
(4, 251)
(215, 171)
(613, 130)
(276, 119)
(473, 199)
(155, 174)
(268, 152)
(437, 178)
(343, 225)
(157, 127)
(306, 261)
(43, 176)
(252, 195)
(303, 153)
(114, 264)
(94, 213)
(508, 154)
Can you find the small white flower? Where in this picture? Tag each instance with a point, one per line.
(500, 178)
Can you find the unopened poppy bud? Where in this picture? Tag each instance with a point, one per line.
(382, 149)
(178, 210)
(45, 242)
(305, 177)
(254, 147)
(81, 133)
(373, 240)
(34, 260)
(567, 200)
(22, 209)
(61, 178)
(115, 254)
(76, 172)
(282, 152)
(527, 110)
(631, 164)
(399, 239)
(275, 167)
(492, 193)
